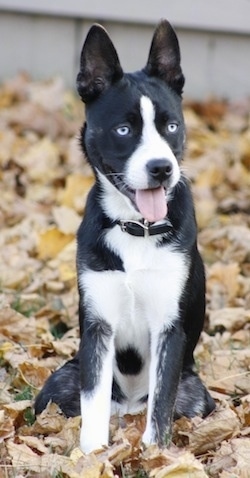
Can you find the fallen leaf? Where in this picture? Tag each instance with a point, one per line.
(16, 326)
(41, 161)
(66, 219)
(75, 192)
(209, 433)
(51, 242)
(225, 276)
(33, 374)
(171, 464)
(50, 420)
(44, 182)
(229, 318)
(15, 410)
(7, 429)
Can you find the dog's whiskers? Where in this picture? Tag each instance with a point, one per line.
(119, 182)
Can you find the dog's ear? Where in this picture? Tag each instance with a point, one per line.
(164, 57)
(99, 64)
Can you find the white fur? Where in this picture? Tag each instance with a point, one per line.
(152, 146)
(115, 204)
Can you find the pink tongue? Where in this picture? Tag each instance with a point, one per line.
(151, 203)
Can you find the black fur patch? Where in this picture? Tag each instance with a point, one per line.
(129, 361)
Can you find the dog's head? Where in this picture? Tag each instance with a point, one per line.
(134, 133)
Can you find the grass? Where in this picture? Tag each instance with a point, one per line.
(26, 309)
(25, 394)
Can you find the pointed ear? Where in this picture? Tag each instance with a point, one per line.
(99, 64)
(164, 57)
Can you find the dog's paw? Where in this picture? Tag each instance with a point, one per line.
(152, 436)
(192, 397)
(91, 441)
(148, 437)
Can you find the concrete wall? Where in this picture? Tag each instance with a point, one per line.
(45, 39)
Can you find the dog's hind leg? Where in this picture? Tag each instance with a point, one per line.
(63, 388)
(192, 396)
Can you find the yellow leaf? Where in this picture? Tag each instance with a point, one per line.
(5, 347)
(51, 242)
(75, 191)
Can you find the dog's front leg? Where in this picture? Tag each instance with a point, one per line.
(167, 349)
(96, 357)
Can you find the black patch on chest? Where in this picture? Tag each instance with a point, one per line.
(129, 361)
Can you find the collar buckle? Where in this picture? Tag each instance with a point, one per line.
(144, 228)
(127, 226)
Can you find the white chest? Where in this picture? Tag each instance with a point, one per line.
(145, 297)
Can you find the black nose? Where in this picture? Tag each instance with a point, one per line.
(160, 169)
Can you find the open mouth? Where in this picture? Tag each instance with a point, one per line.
(151, 202)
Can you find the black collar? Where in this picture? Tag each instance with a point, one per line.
(144, 228)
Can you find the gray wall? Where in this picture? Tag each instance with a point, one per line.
(45, 38)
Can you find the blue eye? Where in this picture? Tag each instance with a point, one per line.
(172, 127)
(122, 130)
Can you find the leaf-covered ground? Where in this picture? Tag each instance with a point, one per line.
(44, 181)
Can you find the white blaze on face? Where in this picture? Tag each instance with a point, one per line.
(150, 202)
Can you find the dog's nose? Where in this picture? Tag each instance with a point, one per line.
(160, 169)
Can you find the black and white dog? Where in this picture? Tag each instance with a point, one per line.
(140, 275)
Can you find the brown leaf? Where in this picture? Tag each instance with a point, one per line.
(229, 318)
(171, 463)
(86, 467)
(67, 438)
(209, 433)
(34, 443)
(7, 429)
(232, 459)
(15, 410)
(24, 458)
(116, 453)
(230, 371)
(50, 420)
(225, 276)
(16, 326)
(33, 374)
